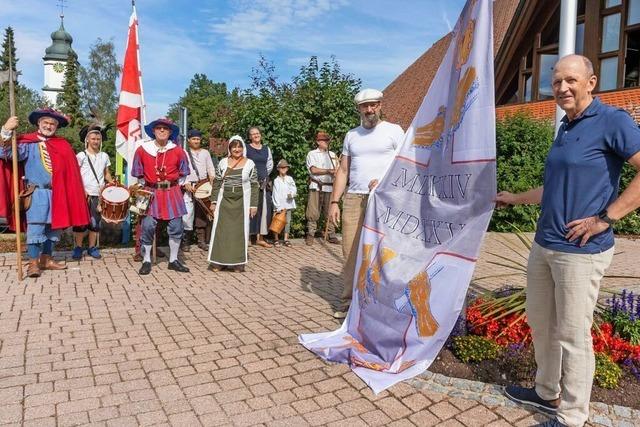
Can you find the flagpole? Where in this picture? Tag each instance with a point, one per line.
(14, 156)
(567, 41)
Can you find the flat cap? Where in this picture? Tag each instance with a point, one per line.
(368, 95)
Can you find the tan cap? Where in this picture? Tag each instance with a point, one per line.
(282, 164)
(368, 95)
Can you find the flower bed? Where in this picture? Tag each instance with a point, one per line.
(493, 344)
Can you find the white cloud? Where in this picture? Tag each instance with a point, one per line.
(269, 24)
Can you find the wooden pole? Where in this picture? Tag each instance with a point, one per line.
(326, 220)
(14, 156)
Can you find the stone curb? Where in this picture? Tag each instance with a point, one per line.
(492, 395)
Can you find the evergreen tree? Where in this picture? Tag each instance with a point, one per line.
(8, 45)
(69, 100)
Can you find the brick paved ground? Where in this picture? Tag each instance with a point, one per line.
(105, 346)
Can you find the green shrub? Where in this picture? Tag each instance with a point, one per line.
(607, 373)
(522, 144)
(474, 348)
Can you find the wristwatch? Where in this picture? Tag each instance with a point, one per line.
(603, 216)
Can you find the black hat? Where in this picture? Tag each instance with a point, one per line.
(194, 132)
(93, 128)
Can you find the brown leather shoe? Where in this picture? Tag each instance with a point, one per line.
(137, 258)
(47, 263)
(33, 270)
(309, 240)
(333, 240)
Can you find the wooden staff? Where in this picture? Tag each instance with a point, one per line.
(326, 220)
(14, 155)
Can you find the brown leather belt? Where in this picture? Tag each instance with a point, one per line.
(162, 185)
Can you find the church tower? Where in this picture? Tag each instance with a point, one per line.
(55, 61)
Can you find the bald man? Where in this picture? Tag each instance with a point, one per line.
(574, 239)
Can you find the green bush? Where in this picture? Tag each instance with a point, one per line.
(474, 348)
(522, 144)
(607, 373)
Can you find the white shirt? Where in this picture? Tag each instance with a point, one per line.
(282, 189)
(370, 152)
(203, 162)
(321, 160)
(100, 162)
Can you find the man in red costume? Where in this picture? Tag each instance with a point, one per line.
(51, 169)
(162, 167)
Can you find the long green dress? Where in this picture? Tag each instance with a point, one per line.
(229, 242)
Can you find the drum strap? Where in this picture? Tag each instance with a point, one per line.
(193, 164)
(95, 175)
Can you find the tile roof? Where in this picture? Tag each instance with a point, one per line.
(403, 96)
(627, 99)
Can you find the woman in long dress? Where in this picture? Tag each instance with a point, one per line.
(235, 200)
(261, 155)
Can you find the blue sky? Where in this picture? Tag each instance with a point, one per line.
(374, 40)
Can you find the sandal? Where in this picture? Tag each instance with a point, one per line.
(215, 268)
(238, 269)
(264, 244)
(276, 243)
(287, 243)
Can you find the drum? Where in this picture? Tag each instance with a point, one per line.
(202, 194)
(140, 201)
(114, 203)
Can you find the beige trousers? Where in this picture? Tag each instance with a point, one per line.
(318, 203)
(353, 210)
(562, 291)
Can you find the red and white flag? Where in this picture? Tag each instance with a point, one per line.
(130, 118)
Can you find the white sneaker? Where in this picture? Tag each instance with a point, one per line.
(339, 314)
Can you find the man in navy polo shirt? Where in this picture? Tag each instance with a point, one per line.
(574, 239)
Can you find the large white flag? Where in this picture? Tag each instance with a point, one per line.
(130, 118)
(426, 220)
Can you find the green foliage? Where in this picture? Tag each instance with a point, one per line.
(27, 100)
(98, 81)
(630, 224)
(522, 144)
(607, 373)
(8, 45)
(320, 97)
(69, 99)
(474, 348)
(207, 103)
(628, 328)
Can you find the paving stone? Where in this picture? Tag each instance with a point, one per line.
(106, 347)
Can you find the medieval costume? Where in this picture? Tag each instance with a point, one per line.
(235, 191)
(94, 169)
(163, 168)
(203, 171)
(57, 200)
(263, 161)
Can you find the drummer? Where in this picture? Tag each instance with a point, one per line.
(202, 175)
(94, 168)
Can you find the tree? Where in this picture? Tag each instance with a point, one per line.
(8, 45)
(98, 81)
(69, 99)
(206, 102)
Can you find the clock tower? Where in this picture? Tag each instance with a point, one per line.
(55, 61)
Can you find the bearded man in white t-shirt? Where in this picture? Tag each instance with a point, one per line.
(367, 152)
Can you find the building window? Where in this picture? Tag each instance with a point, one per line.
(580, 38)
(609, 73)
(633, 13)
(610, 32)
(632, 60)
(545, 91)
(528, 96)
(612, 3)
